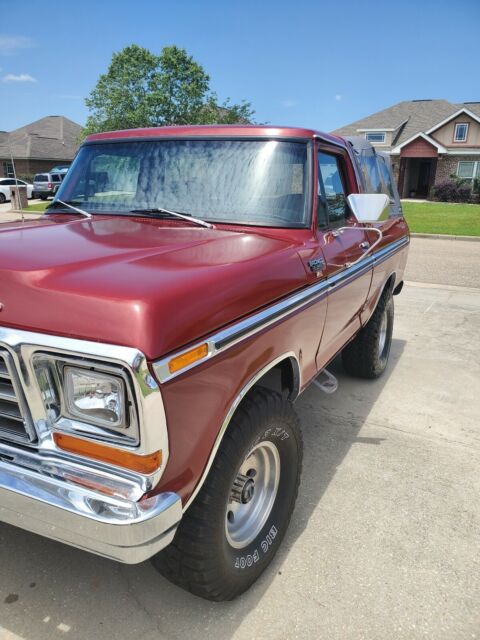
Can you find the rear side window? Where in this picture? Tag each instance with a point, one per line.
(371, 173)
(386, 177)
(331, 191)
(41, 177)
(56, 177)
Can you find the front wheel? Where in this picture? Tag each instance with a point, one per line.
(234, 527)
(366, 356)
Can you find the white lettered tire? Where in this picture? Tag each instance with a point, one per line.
(235, 525)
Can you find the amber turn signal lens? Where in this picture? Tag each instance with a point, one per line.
(142, 464)
(183, 360)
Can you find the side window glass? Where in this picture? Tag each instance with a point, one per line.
(386, 178)
(331, 189)
(371, 173)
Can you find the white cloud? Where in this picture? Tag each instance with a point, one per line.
(288, 104)
(11, 44)
(22, 77)
(338, 97)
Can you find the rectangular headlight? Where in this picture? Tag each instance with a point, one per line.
(90, 398)
(95, 397)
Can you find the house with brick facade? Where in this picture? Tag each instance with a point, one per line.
(38, 146)
(427, 140)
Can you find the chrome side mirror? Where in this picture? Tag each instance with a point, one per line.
(368, 207)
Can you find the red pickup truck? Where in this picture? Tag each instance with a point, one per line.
(157, 324)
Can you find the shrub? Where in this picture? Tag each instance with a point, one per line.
(452, 191)
(445, 191)
(464, 194)
(27, 178)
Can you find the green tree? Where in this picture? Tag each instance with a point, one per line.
(141, 89)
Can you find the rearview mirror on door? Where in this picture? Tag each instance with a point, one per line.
(368, 207)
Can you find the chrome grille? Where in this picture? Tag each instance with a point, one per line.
(14, 420)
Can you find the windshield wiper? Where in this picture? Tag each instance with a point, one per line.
(184, 216)
(71, 206)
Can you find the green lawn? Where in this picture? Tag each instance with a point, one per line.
(41, 206)
(443, 217)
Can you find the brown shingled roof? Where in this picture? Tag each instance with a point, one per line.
(408, 118)
(50, 138)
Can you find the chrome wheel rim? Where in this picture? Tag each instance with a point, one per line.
(252, 494)
(382, 336)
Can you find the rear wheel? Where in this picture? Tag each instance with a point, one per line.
(3, 199)
(367, 355)
(43, 197)
(234, 527)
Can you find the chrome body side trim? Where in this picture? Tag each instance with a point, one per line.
(231, 411)
(44, 456)
(305, 297)
(119, 529)
(227, 338)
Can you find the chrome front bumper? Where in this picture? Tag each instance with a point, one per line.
(83, 502)
(119, 529)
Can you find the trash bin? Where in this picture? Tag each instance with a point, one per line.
(19, 198)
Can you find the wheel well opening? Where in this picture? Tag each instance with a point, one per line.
(398, 288)
(284, 378)
(390, 283)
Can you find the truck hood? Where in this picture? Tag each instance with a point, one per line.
(138, 282)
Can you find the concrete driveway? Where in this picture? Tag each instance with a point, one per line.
(385, 539)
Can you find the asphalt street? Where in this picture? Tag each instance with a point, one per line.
(385, 539)
(439, 261)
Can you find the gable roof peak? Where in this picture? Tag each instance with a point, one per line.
(409, 118)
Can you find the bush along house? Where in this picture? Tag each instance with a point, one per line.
(434, 146)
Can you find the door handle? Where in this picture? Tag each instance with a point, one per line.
(316, 265)
(364, 245)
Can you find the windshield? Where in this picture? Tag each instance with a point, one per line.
(260, 182)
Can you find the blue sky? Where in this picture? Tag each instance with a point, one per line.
(310, 63)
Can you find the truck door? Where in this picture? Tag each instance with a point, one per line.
(350, 285)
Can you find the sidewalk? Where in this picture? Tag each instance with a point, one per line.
(7, 215)
(16, 216)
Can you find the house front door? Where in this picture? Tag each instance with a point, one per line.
(424, 173)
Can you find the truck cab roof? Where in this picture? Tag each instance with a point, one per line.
(202, 131)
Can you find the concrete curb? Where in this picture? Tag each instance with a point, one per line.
(439, 236)
(444, 287)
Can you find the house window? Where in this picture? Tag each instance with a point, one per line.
(8, 170)
(375, 136)
(468, 170)
(461, 132)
